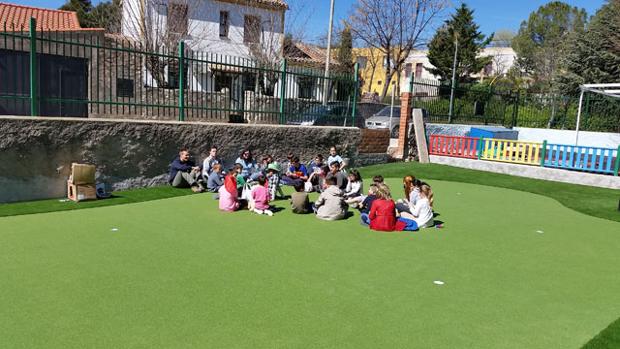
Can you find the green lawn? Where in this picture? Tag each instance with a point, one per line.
(520, 271)
(597, 202)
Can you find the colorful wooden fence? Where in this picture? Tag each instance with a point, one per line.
(569, 157)
(512, 151)
(580, 158)
(460, 147)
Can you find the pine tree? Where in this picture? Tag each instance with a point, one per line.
(594, 55)
(459, 28)
(82, 8)
(345, 51)
(544, 39)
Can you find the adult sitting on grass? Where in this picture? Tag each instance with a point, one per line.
(184, 173)
(209, 162)
(340, 177)
(248, 165)
(331, 206)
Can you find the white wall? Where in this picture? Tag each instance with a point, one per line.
(503, 58)
(203, 32)
(590, 139)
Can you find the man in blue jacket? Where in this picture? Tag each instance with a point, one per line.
(184, 172)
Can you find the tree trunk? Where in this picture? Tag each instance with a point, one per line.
(372, 77)
(386, 83)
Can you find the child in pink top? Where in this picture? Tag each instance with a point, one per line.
(260, 196)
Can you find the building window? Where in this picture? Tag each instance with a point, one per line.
(362, 62)
(177, 20)
(251, 29)
(379, 82)
(124, 88)
(408, 68)
(419, 68)
(222, 80)
(307, 86)
(224, 25)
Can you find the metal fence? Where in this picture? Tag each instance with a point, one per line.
(479, 104)
(89, 74)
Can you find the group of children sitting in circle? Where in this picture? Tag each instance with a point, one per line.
(253, 186)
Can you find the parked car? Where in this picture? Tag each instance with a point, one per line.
(381, 120)
(323, 115)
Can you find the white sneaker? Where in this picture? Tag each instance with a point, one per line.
(257, 211)
(268, 213)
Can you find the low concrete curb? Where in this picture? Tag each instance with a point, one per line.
(549, 174)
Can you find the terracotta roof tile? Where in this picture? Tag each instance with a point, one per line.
(18, 17)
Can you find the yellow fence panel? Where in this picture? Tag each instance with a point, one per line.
(506, 150)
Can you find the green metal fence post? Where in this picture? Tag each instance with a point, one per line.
(543, 153)
(182, 81)
(515, 110)
(282, 91)
(356, 71)
(480, 147)
(617, 169)
(34, 98)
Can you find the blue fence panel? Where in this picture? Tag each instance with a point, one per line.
(580, 158)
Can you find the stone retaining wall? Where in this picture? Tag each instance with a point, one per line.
(36, 153)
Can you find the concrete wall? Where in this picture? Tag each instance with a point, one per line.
(36, 153)
(591, 139)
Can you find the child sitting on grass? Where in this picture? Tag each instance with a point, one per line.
(382, 215)
(229, 201)
(260, 198)
(273, 180)
(215, 180)
(364, 207)
(422, 212)
(240, 178)
(300, 203)
(331, 206)
(353, 192)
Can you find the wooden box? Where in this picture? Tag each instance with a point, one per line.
(81, 192)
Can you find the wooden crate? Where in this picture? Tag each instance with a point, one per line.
(81, 192)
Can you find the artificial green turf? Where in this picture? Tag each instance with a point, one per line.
(118, 198)
(594, 201)
(609, 338)
(180, 274)
(598, 202)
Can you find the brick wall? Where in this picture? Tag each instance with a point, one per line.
(374, 141)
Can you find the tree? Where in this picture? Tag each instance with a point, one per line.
(503, 38)
(82, 8)
(107, 15)
(395, 27)
(345, 51)
(542, 41)
(460, 29)
(594, 55)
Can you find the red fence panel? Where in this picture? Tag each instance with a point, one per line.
(455, 146)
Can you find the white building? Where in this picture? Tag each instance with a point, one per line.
(214, 30)
(417, 65)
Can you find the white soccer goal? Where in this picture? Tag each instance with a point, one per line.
(610, 90)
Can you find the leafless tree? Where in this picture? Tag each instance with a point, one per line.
(159, 26)
(395, 27)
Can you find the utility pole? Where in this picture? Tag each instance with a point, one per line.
(456, 52)
(328, 58)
